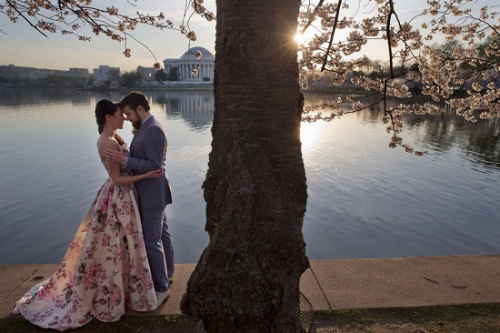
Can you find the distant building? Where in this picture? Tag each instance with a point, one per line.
(185, 65)
(79, 72)
(107, 73)
(13, 73)
(147, 73)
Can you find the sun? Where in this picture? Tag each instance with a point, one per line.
(299, 38)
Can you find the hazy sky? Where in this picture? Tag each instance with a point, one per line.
(21, 45)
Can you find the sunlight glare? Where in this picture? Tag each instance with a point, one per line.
(299, 38)
(310, 133)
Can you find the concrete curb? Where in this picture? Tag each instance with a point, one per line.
(334, 284)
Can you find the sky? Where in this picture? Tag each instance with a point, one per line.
(21, 45)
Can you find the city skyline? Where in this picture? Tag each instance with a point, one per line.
(189, 68)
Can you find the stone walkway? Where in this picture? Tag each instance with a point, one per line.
(335, 284)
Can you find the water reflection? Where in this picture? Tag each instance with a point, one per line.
(34, 97)
(480, 141)
(310, 134)
(365, 200)
(196, 108)
(484, 147)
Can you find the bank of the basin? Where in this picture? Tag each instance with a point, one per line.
(335, 284)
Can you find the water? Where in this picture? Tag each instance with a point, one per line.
(365, 199)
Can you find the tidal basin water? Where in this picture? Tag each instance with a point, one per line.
(365, 199)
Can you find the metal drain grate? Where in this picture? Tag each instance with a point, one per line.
(306, 314)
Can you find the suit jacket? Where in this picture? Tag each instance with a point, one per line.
(148, 152)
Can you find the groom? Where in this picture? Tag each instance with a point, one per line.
(148, 152)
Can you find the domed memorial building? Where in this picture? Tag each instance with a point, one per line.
(196, 65)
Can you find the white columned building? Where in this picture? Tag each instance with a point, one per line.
(188, 62)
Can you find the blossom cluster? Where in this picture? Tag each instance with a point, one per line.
(444, 72)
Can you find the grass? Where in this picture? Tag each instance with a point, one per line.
(474, 318)
(471, 318)
(143, 324)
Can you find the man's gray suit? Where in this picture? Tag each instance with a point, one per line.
(148, 152)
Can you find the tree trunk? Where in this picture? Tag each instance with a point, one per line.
(247, 279)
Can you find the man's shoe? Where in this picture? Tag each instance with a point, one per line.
(161, 297)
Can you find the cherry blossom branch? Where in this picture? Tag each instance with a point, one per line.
(313, 16)
(24, 17)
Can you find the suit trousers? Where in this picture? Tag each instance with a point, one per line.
(158, 246)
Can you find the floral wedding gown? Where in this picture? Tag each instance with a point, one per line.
(104, 270)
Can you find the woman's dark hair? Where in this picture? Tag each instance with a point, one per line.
(102, 108)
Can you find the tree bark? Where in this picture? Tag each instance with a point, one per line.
(247, 279)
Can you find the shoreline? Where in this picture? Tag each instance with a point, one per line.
(181, 87)
(457, 293)
(336, 284)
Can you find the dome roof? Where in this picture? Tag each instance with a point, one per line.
(191, 54)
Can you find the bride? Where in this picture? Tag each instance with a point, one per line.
(105, 268)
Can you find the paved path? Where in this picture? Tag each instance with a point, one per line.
(335, 284)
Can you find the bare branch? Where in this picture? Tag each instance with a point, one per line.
(339, 4)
